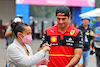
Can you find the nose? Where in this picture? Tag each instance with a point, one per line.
(61, 21)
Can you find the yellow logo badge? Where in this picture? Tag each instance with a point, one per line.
(87, 33)
(53, 39)
(72, 32)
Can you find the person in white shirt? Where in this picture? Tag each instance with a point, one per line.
(19, 53)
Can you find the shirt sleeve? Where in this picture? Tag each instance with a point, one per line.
(18, 58)
(77, 27)
(79, 40)
(44, 39)
(8, 29)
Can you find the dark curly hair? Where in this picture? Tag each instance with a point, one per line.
(63, 9)
(18, 27)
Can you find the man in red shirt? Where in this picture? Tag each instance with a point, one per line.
(66, 41)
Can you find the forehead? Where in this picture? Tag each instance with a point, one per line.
(62, 16)
(84, 19)
(27, 28)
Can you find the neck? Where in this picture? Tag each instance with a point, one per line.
(63, 29)
(85, 26)
(20, 42)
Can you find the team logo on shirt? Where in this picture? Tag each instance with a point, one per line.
(72, 32)
(53, 39)
(70, 40)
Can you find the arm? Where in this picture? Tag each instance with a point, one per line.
(40, 48)
(20, 59)
(77, 50)
(44, 39)
(76, 58)
(8, 32)
(92, 34)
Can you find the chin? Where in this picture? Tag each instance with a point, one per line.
(62, 26)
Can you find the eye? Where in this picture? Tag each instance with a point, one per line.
(63, 18)
(28, 33)
(58, 18)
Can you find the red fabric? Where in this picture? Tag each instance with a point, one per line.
(60, 56)
(60, 61)
(59, 14)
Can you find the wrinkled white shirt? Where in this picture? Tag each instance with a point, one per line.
(17, 57)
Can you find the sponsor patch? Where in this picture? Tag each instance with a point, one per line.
(70, 40)
(72, 32)
(53, 39)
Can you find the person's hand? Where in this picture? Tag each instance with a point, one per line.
(92, 33)
(46, 47)
(45, 44)
(43, 62)
(46, 61)
(66, 66)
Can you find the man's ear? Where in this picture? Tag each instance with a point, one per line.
(69, 17)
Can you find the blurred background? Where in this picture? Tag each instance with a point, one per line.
(42, 12)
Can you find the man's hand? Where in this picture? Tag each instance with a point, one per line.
(92, 34)
(76, 58)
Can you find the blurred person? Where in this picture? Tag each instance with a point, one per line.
(20, 16)
(92, 48)
(3, 30)
(19, 53)
(6, 26)
(88, 35)
(73, 25)
(35, 31)
(9, 33)
(97, 45)
(65, 40)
